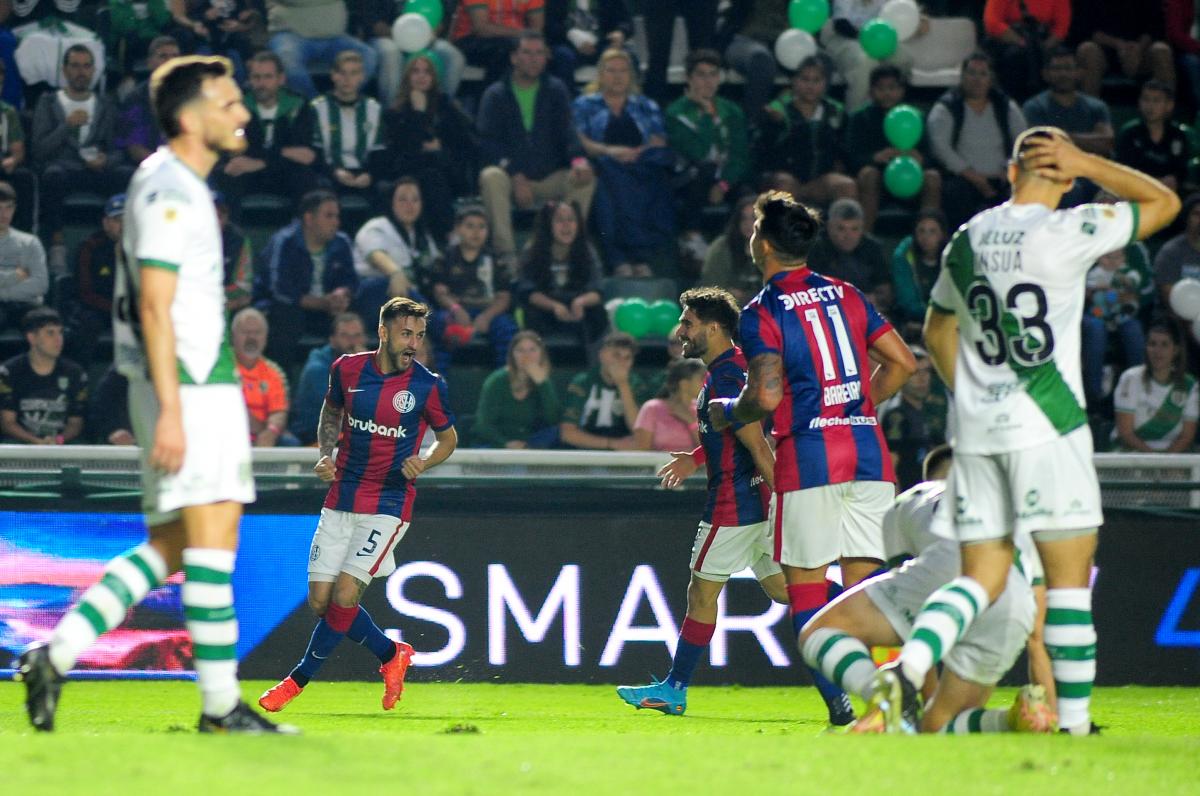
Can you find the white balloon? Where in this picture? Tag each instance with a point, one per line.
(412, 32)
(793, 46)
(904, 16)
(1185, 299)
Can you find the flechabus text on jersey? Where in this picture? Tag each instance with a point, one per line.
(371, 427)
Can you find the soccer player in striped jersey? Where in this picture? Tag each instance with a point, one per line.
(733, 533)
(376, 410)
(820, 359)
(188, 414)
(1003, 331)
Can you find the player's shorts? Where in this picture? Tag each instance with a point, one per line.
(216, 459)
(996, 637)
(360, 545)
(817, 526)
(724, 550)
(1049, 487)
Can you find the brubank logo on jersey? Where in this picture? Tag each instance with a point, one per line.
(371, 427)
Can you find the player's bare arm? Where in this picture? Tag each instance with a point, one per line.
(760, 396)
(328, 427)
(751, 435)
(154, 306)
(446, 442)
(896, 366)
(941, 340)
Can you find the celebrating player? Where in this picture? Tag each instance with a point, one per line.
(1003, 331)
(812, 341)
(733, 533)
(376, 410)
(877, 611)
(187, 409)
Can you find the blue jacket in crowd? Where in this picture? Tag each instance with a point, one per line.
(552, 143)
(284, 271)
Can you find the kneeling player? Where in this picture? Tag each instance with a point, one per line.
(879, 613)
(376, 411)
(733, 534)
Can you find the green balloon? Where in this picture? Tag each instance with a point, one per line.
(809, 15)
(903, 176)
(430, 9)
(878, 39)
(664, 315)
(903, 126)
(633, 317)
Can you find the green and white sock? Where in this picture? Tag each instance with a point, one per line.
(943, 620)
(845, 660)
(127, 580)
(212, 624)
(978, 720)
(1071, 642)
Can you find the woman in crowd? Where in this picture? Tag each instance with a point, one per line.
(394, 254)
(727, 263)
(1157, 404)
(916, 263)
(518, 404)
(668, 422)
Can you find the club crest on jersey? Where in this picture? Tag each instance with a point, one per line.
(403, 401)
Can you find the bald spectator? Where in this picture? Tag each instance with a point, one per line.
(264, 385)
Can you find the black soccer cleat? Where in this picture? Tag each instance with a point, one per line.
(42, 686)
(841, 712)
(244, 721)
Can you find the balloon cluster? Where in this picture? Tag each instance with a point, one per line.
(898, 21)
(635, 317)
(903, 127)
(1185, 302)
(413, 30)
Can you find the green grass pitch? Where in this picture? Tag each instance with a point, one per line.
(133, 738)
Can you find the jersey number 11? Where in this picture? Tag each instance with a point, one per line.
(849, 362)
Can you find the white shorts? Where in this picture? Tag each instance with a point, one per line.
(1050, 487)
(724, 550)
(216, 459)
(996, 637)
(357, 544)
(817, 526)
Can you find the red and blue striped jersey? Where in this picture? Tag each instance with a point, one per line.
(826, 427)
(736, 492)
(383, 419)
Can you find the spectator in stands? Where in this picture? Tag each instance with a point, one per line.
(264, 384)
(394, 254)
(700, 18)
(90, 313)
(601, 402)
(371, 22)
(130, 31)
(1180, 19)
(519, 406)
(915, 422)
(623, 132)
(1179, 257)
(487, 31)
(431, 138)
(1154, 143)
(577, 31)
(1125, 34)
(279, 155)
(971, 129)
(73, 132)
(844, 250)
(13, 169)
(108, 410)
(24, 278)
(43, 395)
(1158, 403)
(239, 258)
(727, 263)
(530, 144)
(305, 275)
(747, 32)
(347, 128)
(668, 421)
(840, 41)
(346, 336)
(221, 27)
(868, 150)
(137, 133)
(1019, 35)
(801, 139)
(1112, 306)
(559, 286)
(916, 264)
(305, 32)
(708, 135)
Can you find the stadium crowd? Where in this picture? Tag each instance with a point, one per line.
(482, 176)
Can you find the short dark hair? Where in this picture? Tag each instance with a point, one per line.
(402, 307)
(529, 34)
(343, 317)
(789, 226)
(811, 62)
(1158, 85)
(7, 192)
(939, 457)
(161, 41)
(268, 57)
(314, 199)
(78, 48)
(180, 81)
(886, 71)
(468, 211)
(980, 55)
(620, 340)
(701, 56)
(39, 317)
(712, 305)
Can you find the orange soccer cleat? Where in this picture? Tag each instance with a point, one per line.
(393, 674)
(277, 698)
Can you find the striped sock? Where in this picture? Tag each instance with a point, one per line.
(978, 720)
(694, 638)
(364, 631)
(806, 600)
(127, 580)
(1071, 643)
(845, 660)
(212, 624)
(944, 618)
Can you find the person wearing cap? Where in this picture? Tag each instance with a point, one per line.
(89, 312)
(24, 278)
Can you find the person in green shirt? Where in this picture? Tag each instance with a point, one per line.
(518, 405)
(602, 403)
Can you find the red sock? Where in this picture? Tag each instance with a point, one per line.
(338, 618)
(806, 596)
(698, 633)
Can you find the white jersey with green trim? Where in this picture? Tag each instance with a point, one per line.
(171, 223)
(1014, 276)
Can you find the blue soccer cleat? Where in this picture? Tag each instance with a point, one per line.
(657, 696)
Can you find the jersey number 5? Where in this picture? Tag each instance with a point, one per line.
(849, 363)
(1009, 331)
